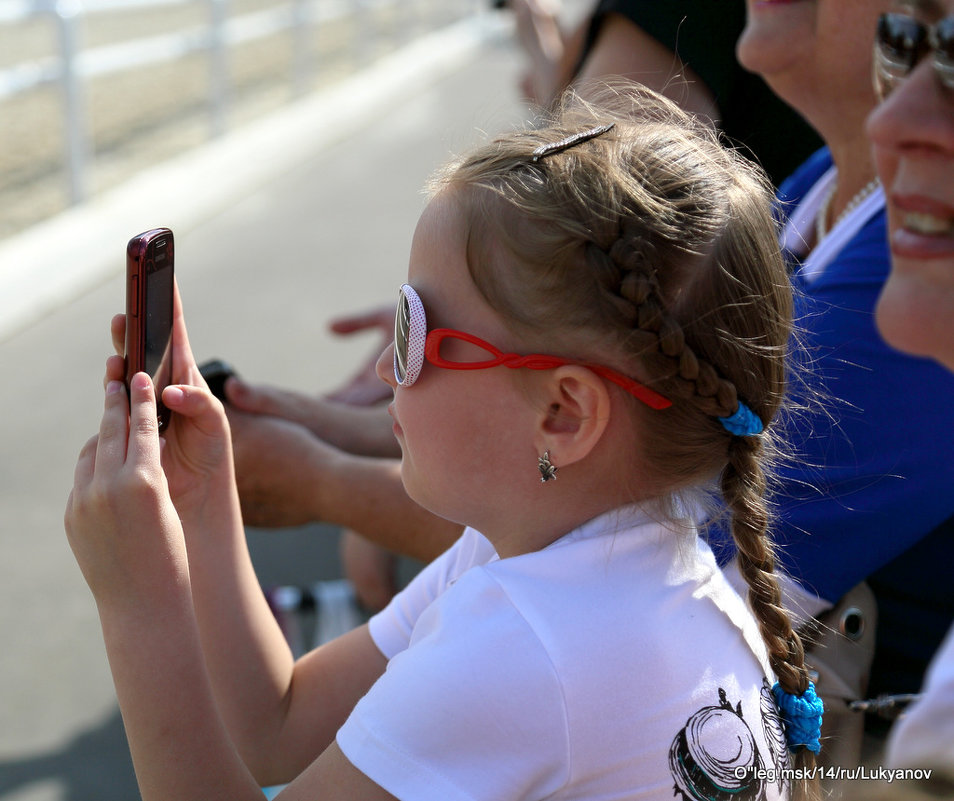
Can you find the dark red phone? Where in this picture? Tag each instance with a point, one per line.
(150, 264)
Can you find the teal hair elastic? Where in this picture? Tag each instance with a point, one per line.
(743, 423)
(801, 716)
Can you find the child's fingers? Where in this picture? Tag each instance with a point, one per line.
(117, 329)
(196, 403)
(82, 476)
(184, 369)
(115, 370)
(111, 444)
(85, 462)
(143, 425)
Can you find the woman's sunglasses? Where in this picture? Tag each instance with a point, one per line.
(902, 41)
(413, 343)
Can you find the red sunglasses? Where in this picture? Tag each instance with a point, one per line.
(413, 343)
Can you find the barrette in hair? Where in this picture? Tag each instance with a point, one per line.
(801, 716)
(570, 141)
(743, 423)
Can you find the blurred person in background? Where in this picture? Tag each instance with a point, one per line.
(684, 49)
(870, 499)
(912, 133)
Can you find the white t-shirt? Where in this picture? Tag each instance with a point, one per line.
(615, 663)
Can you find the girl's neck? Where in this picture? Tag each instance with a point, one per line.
(537, 534)
(551, 510)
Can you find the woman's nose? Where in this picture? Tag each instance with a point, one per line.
(918, 115)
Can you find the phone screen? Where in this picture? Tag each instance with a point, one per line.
(159, 314)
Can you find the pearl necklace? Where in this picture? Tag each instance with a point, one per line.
(821, 220)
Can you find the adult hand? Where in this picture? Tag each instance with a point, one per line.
(539, 34)
(370, 568)
(359, 430)
(365, 388)
(275, 466)
(289, 405)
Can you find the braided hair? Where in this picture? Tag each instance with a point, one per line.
(652, 247)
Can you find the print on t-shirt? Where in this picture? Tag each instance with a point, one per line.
(715, 757)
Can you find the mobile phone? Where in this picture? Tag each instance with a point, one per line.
(150, 266)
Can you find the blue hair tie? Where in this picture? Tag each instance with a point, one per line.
(802, 717)
(744, 423)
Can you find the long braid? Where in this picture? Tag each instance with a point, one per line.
(743, 488)
(743, 482)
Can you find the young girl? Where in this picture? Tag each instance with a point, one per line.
(592, 338)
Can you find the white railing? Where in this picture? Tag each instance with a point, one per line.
(73, 66)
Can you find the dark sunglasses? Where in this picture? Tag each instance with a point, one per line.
(413, 343)
(902, 41)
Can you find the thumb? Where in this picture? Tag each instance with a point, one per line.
(197, 404)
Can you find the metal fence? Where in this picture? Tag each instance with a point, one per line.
(87, 43)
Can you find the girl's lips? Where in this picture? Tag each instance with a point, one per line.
(396, 428)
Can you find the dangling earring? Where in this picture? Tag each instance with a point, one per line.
(547, 470)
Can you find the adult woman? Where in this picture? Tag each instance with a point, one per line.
(913, 137)
(882, 486)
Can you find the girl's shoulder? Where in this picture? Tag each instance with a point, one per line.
(607, 659)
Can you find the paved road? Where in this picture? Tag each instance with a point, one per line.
(303, 237)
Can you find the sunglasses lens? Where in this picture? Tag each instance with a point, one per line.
(943, 43)
(900, 43)
(402, 327)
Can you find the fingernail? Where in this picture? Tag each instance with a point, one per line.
(140, 381)
(172, 396)
(113, 387)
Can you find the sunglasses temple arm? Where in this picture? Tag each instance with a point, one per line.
(643, 393)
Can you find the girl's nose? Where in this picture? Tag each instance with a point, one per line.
(384, 367)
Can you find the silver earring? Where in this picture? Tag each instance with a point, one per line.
(547, 470)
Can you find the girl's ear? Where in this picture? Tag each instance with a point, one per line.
(576, 415)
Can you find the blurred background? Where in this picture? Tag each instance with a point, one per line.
(286, 144)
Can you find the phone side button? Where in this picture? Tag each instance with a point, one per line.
(134, 296)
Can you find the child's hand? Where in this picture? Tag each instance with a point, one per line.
(197, 455)
(120, 521)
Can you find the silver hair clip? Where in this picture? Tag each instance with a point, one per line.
(570, 141)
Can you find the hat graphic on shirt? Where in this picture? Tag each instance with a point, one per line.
(715, 757)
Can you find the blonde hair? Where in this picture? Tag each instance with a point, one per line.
(653, 247)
